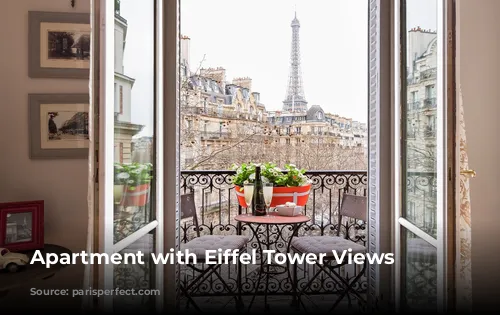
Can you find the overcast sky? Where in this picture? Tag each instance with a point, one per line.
(253, 38)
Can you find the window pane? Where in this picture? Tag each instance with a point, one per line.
(135, 279)
(420, 111)
(421, 274)
(134, 116)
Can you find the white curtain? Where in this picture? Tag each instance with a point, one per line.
(464, 276)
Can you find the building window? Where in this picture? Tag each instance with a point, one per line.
(297, 130)
(121, 99)
(429, 91)
(287, 140)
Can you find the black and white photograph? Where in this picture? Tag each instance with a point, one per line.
(59, 45)
(59, 125)
(67, 125)
(64, 126)
(19, 227)
(68, 45)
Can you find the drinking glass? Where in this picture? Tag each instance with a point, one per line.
(248, 191)
(268, 194)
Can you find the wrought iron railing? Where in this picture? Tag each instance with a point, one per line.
(428, 74)
(415, 105)
(430, 102)
(217, 206)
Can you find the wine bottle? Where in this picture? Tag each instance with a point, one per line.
(259, 204)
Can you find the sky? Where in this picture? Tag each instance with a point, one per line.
(253, 38)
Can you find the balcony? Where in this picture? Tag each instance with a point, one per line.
(428, 74)
(216, 113)
(429, 133)
(217, 206)
(430, 103)
(411, 106)
(214, 135)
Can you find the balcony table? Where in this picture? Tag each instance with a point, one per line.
(271, 238)
(31, 272)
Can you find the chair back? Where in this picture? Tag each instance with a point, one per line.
(353, 207)
(188, 210)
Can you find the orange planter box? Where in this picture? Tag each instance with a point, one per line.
(137, 197)
(281, 195)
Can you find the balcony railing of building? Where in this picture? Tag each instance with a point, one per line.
(212, 135)
(416, 77)
(428, 74)
(217, 206)
(430, 103)
(214, 112)
(429, 133)
(415, 105)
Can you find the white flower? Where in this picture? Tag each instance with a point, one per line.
(123, 176)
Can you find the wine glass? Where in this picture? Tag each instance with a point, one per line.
(248, 191)
(268, 194)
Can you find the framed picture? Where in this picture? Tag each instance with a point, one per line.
(59, 45)
(21, 225)
(59, 126)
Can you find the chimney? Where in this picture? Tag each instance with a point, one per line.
(218, 74)
(245, 82)
(185, 45)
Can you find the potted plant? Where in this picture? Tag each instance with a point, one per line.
(136, 178)
(290, 184)
(120, 180)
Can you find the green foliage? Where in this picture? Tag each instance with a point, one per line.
(293, 177)
(133, 174)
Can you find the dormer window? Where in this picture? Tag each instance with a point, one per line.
(319, 115)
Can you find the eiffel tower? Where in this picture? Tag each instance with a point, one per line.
(295, 99)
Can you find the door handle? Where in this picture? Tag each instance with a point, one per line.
(468, 173)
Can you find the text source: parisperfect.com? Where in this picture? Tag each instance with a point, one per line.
(93, 292)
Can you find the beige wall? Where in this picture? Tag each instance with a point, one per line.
(61, 183)
(479, 74)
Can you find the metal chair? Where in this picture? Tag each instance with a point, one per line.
(200, 245)
(354, 207)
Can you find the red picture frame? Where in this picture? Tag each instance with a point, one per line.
(21, 225)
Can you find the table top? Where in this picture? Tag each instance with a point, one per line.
(271, 218)
(30, 272)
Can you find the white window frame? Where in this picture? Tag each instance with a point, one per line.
(105, 13)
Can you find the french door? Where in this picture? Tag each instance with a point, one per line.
(424, 154)
(128, 121)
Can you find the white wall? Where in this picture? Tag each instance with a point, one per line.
(61, 183)
(479, 74)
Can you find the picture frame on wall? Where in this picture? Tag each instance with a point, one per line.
(59, 126)
(22, 225)
(58, 45)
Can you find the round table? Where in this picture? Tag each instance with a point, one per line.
(30, 272)
(271, 238)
